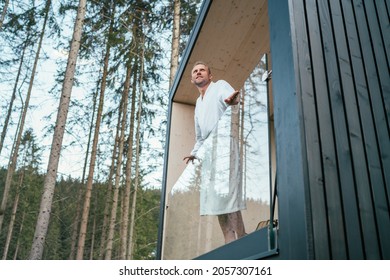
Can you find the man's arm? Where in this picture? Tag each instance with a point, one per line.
(233, 99)
(198, 143)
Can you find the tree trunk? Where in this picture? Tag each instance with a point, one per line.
(20, 234)
(93, 228)
(129, 157)
(242, 127)
(13, 215)
(235, 164)
(107, 206)
(76, 222)
(137, 144)
(114, 207)
(15, 151)
(4, 13)
(84, 218)
(175, 42)
(50, 179)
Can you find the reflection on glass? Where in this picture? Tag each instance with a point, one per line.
(239, 142)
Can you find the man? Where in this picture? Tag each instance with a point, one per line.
(212, 102)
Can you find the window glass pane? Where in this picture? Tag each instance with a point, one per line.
(233, 162)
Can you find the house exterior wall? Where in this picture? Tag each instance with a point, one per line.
(331, 95)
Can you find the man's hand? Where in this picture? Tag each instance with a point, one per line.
(233, 99)
(189, 158)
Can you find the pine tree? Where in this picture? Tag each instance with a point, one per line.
(108, 201)
(137, 157)
(115, 199)
(13, 215)
(175, 42)
(15, 151)
(129, 158)
(50, 179)
(84, 218)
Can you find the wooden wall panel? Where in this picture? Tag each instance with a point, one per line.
(354, 134)
(342, 50)
(311, 124)
(332, 131)
(294, 237)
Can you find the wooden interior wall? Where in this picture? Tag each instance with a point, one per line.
(343, 58)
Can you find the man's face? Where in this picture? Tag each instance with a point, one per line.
(200, 75)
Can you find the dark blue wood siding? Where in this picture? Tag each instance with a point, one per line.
(342, 50)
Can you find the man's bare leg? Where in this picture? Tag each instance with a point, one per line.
(239, 224)
(227, 230)
(232, 226)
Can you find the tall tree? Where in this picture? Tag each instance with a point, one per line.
(15, 151)
(128, 173)
(87, 201)
(51, 175)
(108, 202)
(76, 221)
(137, 155)
(175, 41)
(30, 159)
(129, 157)
(124, 104)
(13, 215)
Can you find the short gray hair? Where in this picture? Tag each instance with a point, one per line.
(200, 62)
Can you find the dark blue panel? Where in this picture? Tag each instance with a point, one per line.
(291, 167)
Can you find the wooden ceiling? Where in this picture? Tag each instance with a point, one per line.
(234, 35)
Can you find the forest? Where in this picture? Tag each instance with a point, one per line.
(84, 97)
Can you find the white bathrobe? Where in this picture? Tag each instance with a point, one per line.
(221, 187)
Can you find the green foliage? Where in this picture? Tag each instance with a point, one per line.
(58, 241)
(30, 196)
(147, 224)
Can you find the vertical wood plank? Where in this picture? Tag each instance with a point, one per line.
(379, 54)
(362, 94)
(316, 187)
(343, 82)
(365, 200)
(381, 203)
(332, 206)
(381, 30)
(374, 78)
(295, 239)
(383, 18)
(354, 131)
